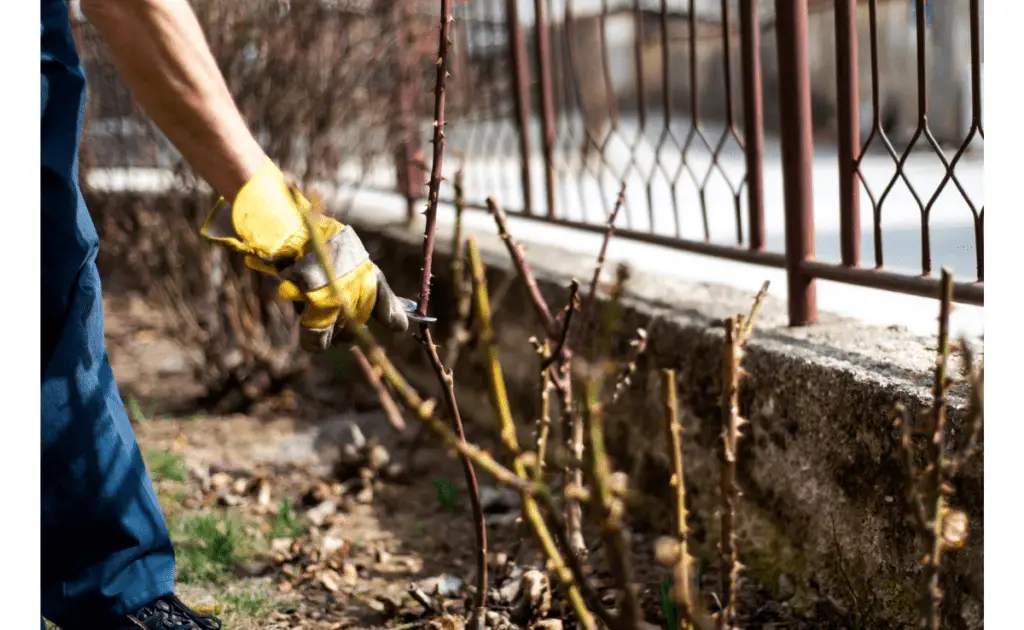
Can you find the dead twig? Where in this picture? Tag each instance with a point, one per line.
(460, 329)
(444, 375)
(387, 403)
(571, 307)
(625, 376)
(507, 430)
(424, 410)
(515, 250)
(591, 299)
(974, 376)
(732, 422)
(609, 492)
(443, 44)
(423, 599)
(939, 527)
(934, 497)
(682, 583)
(755, 309)
(560, 362)
(544, 418)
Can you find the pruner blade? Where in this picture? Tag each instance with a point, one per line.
(410, 312)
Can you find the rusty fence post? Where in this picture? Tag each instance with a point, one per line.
(848, 120)
(542, 41)
(753, 120)
(797, 157)
(521, 87)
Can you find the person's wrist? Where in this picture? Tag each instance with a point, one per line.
(250, 160)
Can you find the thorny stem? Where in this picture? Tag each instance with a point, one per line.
(674, 431)
(387, 403)
(462, 295)
(516, 252)
(975, 378)
(562, 361)
(928, 489)
(443, 44)
(590, 595)
(591, 300)
(448, 382)
(754, 310)
(575, 573)
(625, 376)
(507, 429)
(572, 474)
(934, 497)
(901, 420)
(444, 376)
(423, 409)
(570, 308)
(544, 418)
(611, 506)
(731, 424)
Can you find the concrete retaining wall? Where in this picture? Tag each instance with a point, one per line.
(823, 494)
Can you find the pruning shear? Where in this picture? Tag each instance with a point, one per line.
(410, 312)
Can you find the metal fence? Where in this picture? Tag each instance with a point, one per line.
(736, 125)
(562, 103)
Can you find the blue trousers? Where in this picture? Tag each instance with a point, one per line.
(106, 550)
(105, 547)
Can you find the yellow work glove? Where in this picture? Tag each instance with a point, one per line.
(265, 223)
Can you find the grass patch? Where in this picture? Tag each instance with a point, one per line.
(166, 465)
(669, 611)
(135, 411)
(252, 602)
(208, 547)
(286, 523)
(447, 495)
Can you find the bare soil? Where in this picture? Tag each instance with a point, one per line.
(323, 545)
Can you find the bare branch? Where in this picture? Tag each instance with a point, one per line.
(591, 299)
(499, 401)
(624, 379)
(515, 250)
(754, 310)
(933, 480)
(443, 44)
(571, 307)
(387, 403)
(612, 508)
(459, 333)
(673, 431)
(448, 382)
(731, 424)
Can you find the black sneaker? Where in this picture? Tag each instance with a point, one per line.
(169, 613)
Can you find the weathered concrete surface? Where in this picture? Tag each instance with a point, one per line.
(823, 503)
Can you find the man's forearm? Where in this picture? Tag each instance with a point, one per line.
(159, 48)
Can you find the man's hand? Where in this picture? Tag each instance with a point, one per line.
(265, 222)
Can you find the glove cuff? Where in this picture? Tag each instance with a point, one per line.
(265, 219)
(345, 252)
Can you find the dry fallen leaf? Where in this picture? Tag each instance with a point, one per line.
(220, 480)
(330, 580)
(351, 574)
(180, 443)
(319, 515)
(263, 496)
(240, 486)
(954, 529)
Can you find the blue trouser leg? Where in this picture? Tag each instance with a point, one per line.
(106, 550)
